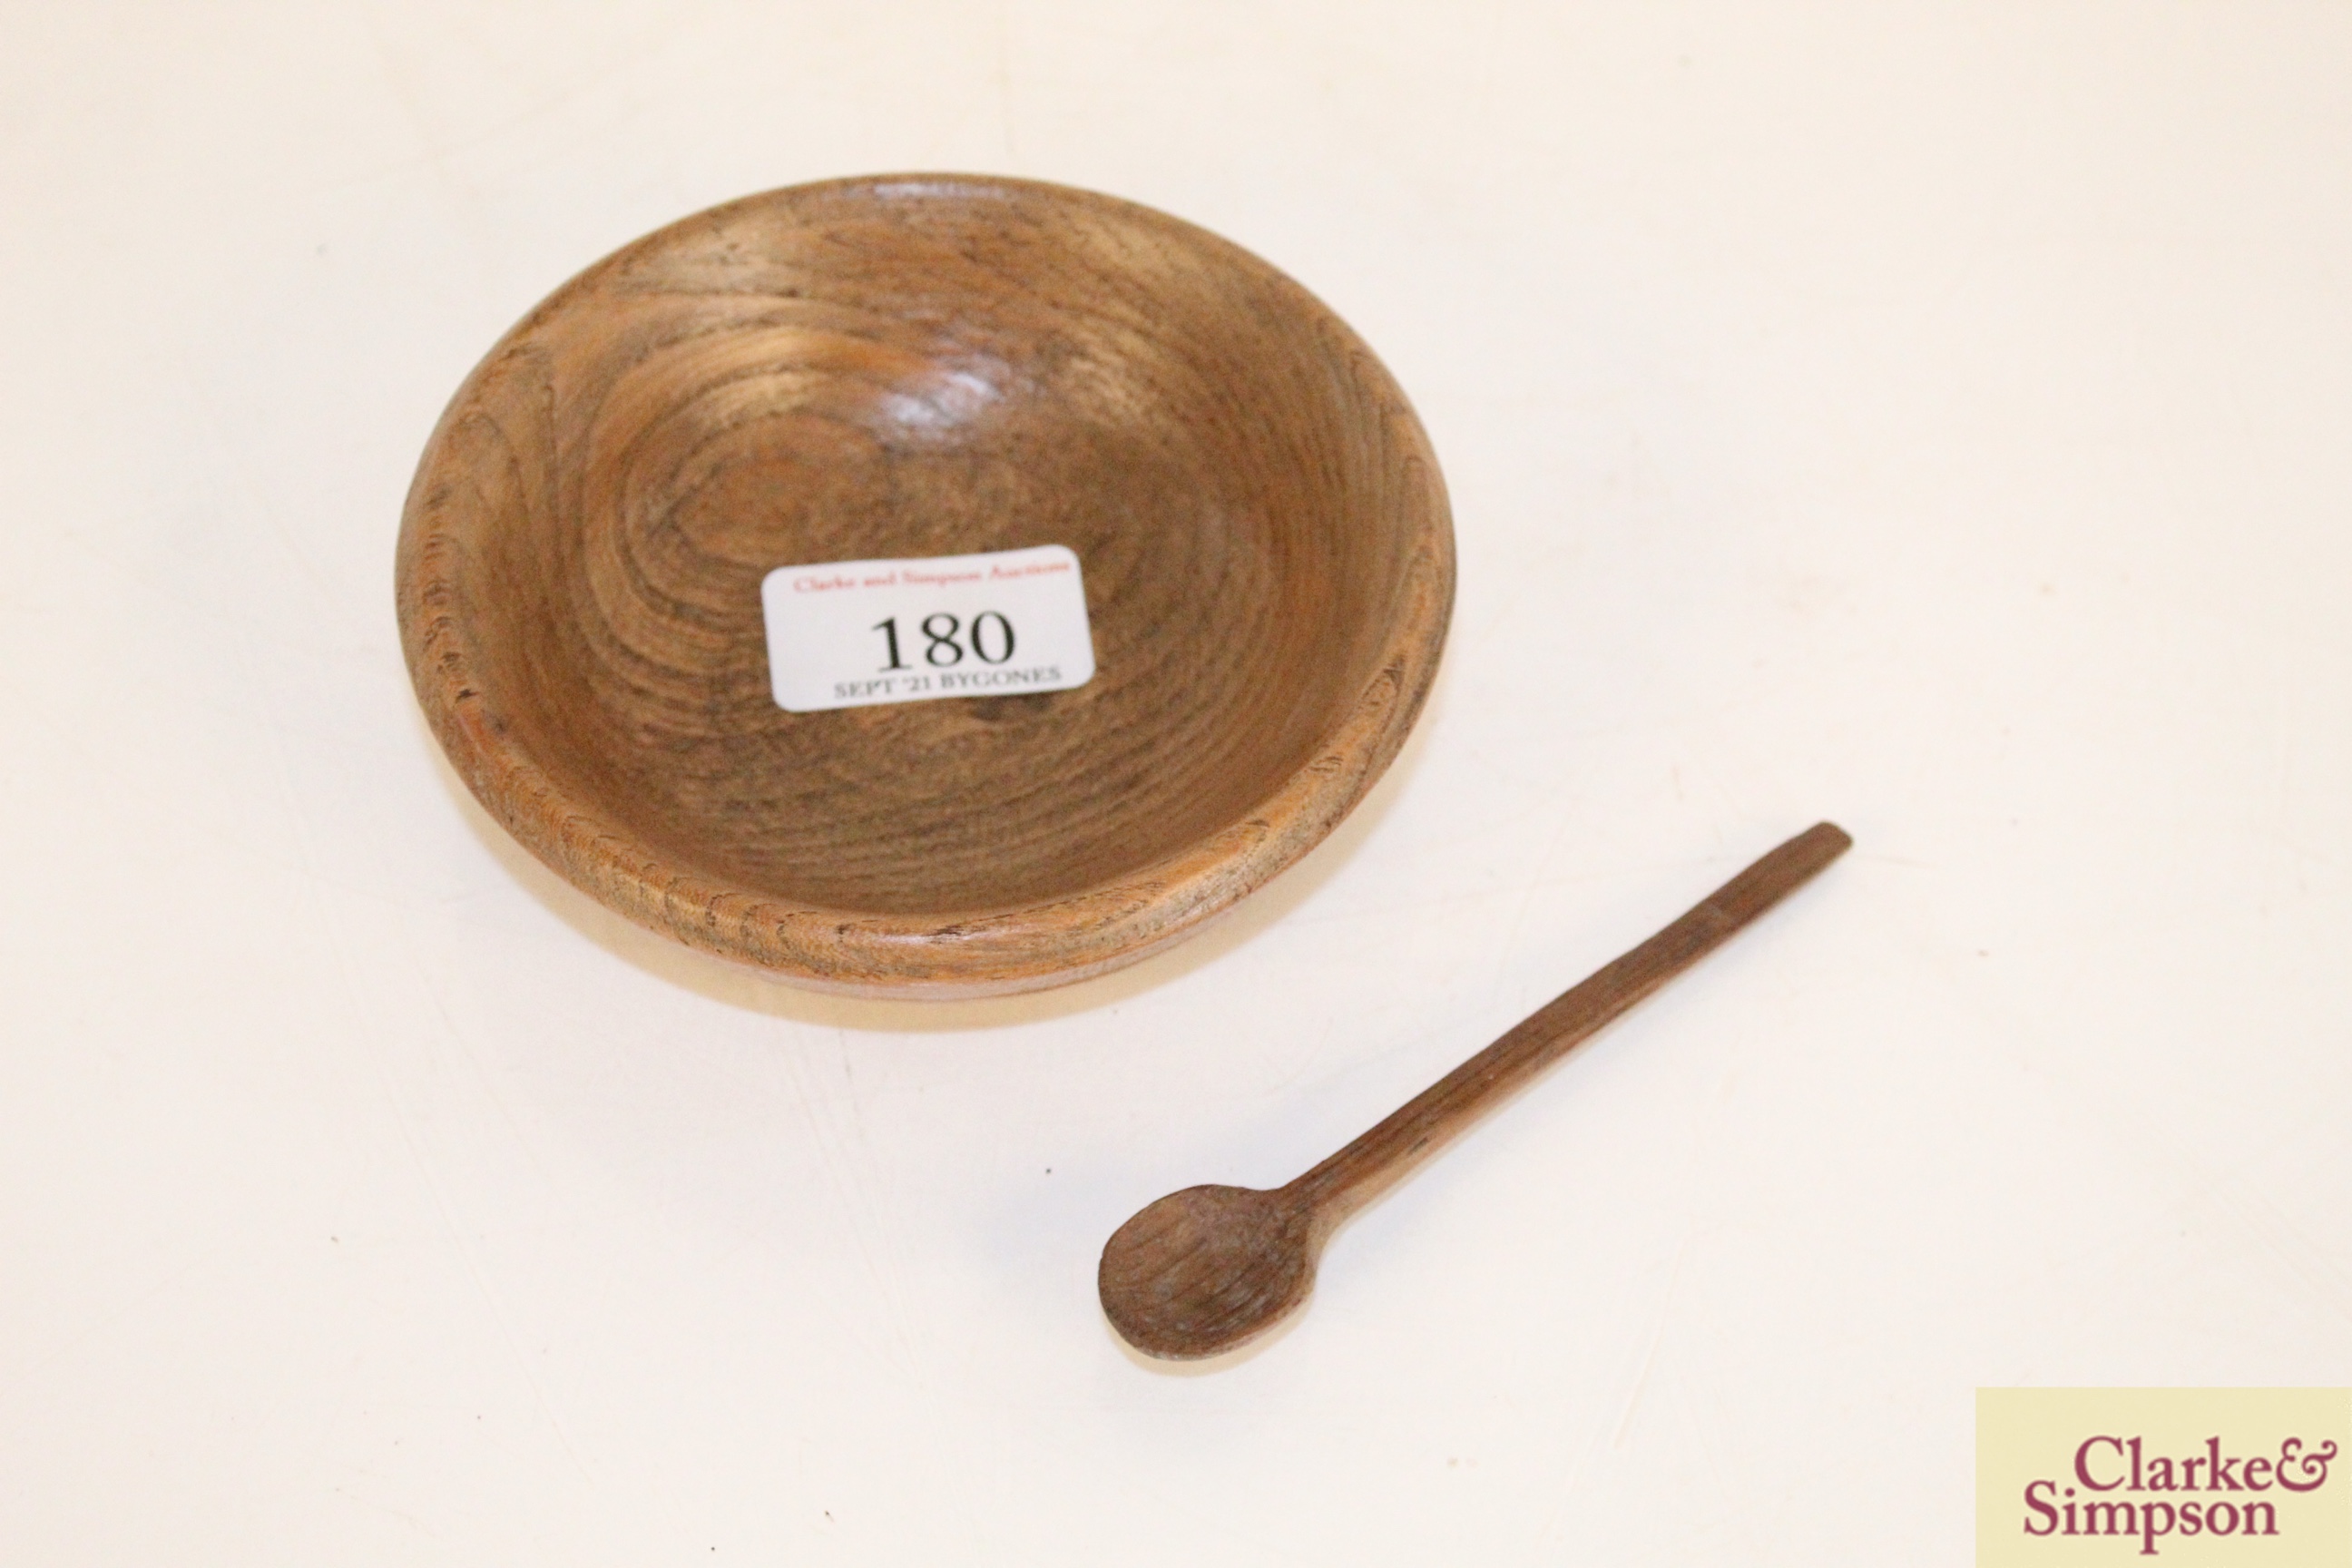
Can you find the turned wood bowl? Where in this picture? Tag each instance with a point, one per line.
(912, 368)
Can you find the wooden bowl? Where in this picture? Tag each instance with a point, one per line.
(917, 366)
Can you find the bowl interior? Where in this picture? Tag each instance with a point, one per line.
(929, 367)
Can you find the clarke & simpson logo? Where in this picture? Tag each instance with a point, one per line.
(2195, 1476)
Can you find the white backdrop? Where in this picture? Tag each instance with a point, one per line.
(1932, 418)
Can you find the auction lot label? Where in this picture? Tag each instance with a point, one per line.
(853, 634)
(2187, 1476)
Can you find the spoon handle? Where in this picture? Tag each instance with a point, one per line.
(1430, 1119)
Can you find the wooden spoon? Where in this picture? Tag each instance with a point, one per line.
(1209, 1268)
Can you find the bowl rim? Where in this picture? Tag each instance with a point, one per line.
(1047, 943)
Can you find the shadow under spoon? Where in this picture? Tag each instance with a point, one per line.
(1208, 1269)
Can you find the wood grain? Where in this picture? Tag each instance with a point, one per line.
(908, 366)
(1207, 1269)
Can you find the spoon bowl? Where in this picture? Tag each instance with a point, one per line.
(1208, 1269)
